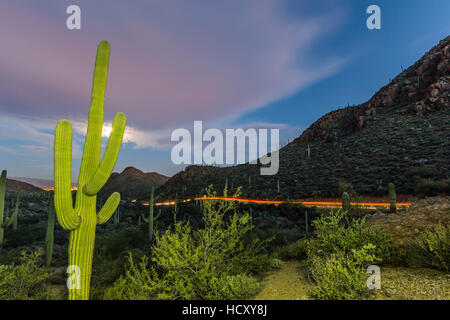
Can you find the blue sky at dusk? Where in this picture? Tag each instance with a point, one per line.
(275, 64)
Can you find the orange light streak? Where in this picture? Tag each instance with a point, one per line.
(275, 202)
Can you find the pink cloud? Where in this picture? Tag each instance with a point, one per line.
(172, 62)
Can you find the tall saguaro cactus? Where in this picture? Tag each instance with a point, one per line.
(82, 219)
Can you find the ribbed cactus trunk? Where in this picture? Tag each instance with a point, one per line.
(392, 197)
(83, 219)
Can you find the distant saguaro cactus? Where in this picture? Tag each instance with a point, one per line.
(49, 238)
(345, 202)
(151, 219)
(15, 224)
(4, 221)
(82, 220)
(392, 197)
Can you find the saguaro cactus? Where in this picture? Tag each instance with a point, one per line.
(151, 218)
(392, 197)
(81, 221)
(4, 221)
(15, 224)
(345, 202)
(49, 239)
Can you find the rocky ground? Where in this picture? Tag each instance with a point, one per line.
(290, 282)
(422, 216)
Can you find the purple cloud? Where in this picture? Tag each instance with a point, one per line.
(172, 61)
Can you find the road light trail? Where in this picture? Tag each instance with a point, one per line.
(277, 202)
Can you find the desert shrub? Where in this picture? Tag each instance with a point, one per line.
(233, 287)
(24, 281)
(213, 262)
(275, 263)
(430, 187)
(346, 187)
(336, 233)
(434, 248)
(341, 275)
(111, 258)
(339, 254)
(294, 251)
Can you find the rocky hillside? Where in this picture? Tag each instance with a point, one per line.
(19, 186)
(401, 135)
(133, 183)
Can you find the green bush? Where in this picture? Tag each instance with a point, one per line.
(335, 232)
(341, 275)
(434, 248)
(430, 187)
(346, 187)
(294, 251)
(212, 262)
(233, 287)
(339, 254)
(25, 281)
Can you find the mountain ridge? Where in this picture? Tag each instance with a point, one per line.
(401, 129)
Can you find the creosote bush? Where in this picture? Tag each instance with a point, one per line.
(338, 256)
(24, 281)
(216, 261)
(434, 248)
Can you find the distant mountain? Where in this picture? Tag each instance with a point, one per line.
(45, 184)
(133, 183)
(401, 135)
(14, 185)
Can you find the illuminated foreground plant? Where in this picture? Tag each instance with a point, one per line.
(82, 219)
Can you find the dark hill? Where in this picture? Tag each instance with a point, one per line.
(401, 135)
(19, 186)
(133, 183)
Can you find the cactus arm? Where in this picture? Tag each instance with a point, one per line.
(159, 213)
(109, 159)
(144, 218)
(108, 208)
(67, 216)
(14, 216)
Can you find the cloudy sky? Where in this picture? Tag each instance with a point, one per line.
(233, 64)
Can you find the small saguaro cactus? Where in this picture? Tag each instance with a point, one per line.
(82, 220)
(49, 238)
(116, 218)
(278, 186)
(15, 224)
(392, 197)
(175, 208)
(306, 223)
(4, 221)
(308, 151)
(345, 202)
(151, 218)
